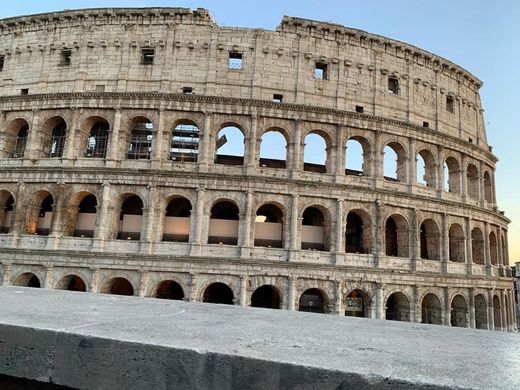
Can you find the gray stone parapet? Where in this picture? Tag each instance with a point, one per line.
(104, 341)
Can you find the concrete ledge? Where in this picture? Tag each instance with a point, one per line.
(101, 341)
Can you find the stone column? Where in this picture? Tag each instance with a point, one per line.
(490, 311)
(513, 310)
(94, 283)
(377, 161)
(445, 253)
(415, 310)
(481, 186)
(471, 308)
(112, 153)
(191, 294)
(143, 283)
(7, 270)
(440, 171)
(196, 223)
(339, 244)
(376, 234)
(246, 220)
(487, 250)
(379, 301)
(294, 223)
(158, 143)
(250, 156)
(48, 282)
(18, 218)
(206, 144)
(412, 165)
(341, 150)
(73, 137)
(447, 307)
(149, 218)
(291, 294)
(4, 153)
(243, 290)
(103, 217)
(415, 239)
(338, 302)
(464, 177)
(297, 164)
(33, 149)
(468, 241)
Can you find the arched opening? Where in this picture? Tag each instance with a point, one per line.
(431, 310)
(218, 293)
(313, 230)
(313, 300)
(394, 162)
(269, 226)
(430, 240)
(58, 137)
(426, 168)
(169, 289)
(493, 248)
(452, 175)
(223, 224)
(459, 312)
(357, 157)
(184, 144)
(16, 132)
(86, 218)
(488, 188)
(480, 312)
(97, 140)
(43, 227)
(273, 150)
(6, 211)
(472, 181)
(118, 286)
(27, 279)
(497, 315)
(477, 246)
(71, 283)
(357, 304)
(396, 236)
(230, 146)
(130, 218)
(357, 232)
(456, 243)
(177, 221)
(397, 307)
(141, 137)
(266, 296)
(315, 153)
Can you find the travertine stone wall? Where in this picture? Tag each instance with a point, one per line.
(80, 67)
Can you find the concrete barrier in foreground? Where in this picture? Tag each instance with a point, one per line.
(96, 341)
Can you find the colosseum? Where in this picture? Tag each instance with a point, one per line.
(118, 174)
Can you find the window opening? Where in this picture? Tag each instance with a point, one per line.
(20, 142)
(66, 54)
(140, 147)
(277, 98)
(187, 90)
(360, 109)
(235, 61)
(58, 140)
(393, 85)
(185, 143)
(148, 55)
(320, 71)
(2, 62)
(450, 104)
(24, 91)
(98, 140)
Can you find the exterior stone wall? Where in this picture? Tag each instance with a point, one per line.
(92, 68)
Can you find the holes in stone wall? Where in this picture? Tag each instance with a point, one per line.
(230, 146)
(273, 150)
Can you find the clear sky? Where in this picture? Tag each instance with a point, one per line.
(480, 35)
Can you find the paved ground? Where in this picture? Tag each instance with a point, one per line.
(101, 341)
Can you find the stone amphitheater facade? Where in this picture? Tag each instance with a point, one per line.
(111, 121)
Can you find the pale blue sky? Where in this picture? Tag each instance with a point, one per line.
(480, 35)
